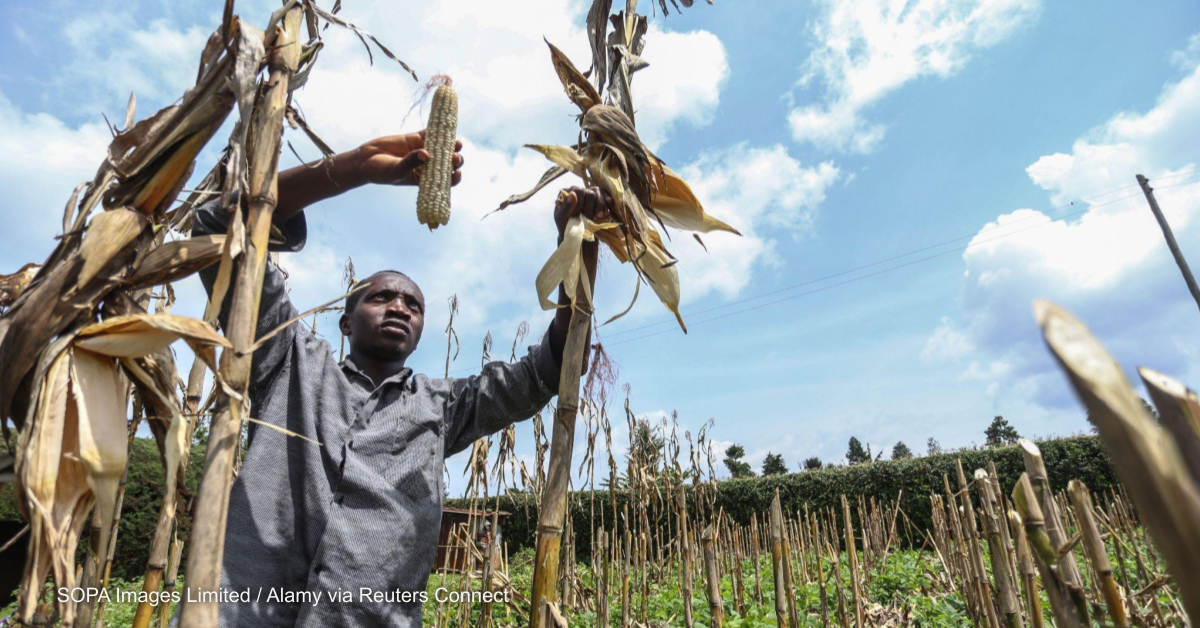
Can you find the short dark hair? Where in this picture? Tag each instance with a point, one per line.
(352, 300)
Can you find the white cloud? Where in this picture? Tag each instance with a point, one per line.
(508, 92)
(1109, 266)
(109, 60)
(868, 48)
(946, 343)
(1190, 55)
(41, 161)
(764, 193)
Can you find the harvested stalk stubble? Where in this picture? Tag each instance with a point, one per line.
(433, 195)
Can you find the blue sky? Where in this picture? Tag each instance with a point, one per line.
(833, 134)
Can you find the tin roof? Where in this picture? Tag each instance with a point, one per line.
(464, 511)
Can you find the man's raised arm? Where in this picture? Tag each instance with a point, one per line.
(503, 394)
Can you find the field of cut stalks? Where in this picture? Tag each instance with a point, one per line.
(80, 348)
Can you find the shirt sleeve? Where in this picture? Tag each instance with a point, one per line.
(275, 307)
(502, 394)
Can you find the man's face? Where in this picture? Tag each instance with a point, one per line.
(387, 322)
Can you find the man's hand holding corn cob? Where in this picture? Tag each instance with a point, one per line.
(390, 160)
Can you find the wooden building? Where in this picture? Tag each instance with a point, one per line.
(460, 525)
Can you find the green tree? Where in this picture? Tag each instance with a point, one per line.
(773, 465)
(856, 454)
(932, 447)
(1000, 433)
(901, 451)
(733, 461)
(812, 464)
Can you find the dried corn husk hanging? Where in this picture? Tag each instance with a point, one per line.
(647, 195)
(73, 451)
(565, 265)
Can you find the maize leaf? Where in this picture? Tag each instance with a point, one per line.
(677, 205)
(108, 234)
(659, 269)
(547, 177)
(625, 44)
(1146, 457)
(597, 26)
(99, 394)
(563, 156)
(11, 286)
(137, 335)
(578, 89)
(175, 260)
(53, 483)
(565, 265)
(74, 284)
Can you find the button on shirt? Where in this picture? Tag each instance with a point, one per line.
(363, 509)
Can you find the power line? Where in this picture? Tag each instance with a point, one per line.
(671, 320)
(694, 324)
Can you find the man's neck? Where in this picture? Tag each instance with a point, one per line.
(377, 370)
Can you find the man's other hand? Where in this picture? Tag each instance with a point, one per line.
(592, 203)
(398, 160)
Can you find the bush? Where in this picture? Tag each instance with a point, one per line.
(139, 509)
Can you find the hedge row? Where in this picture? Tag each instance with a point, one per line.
(139, 509)
(1081, 458)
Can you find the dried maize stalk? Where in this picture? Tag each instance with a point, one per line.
(433, 196)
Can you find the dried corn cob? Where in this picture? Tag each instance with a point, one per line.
(433, 197)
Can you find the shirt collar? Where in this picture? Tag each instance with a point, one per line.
(350, 368)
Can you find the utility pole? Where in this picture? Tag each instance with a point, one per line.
(1170, 237)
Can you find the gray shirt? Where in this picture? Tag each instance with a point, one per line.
(362, 511)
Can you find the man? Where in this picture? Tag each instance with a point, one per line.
(359, 513)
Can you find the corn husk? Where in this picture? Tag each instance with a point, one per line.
(565, 265)
(99, 394)
(647, 195)
(74, 450)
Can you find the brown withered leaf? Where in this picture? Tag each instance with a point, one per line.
(597, 28)
(547, 177)
(108, 234)
(625, 43)
(360, 33)
(12, 286)
(62, 295)
(136, 335)
(175, 260)
(563, 156)
(154, 374)
(578, 89)
(53, 490)
(611, 126)
(149, 159)
(99, 395)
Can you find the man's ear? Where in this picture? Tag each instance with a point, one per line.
(344, 324)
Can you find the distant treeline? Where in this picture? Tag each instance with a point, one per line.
(1073, 458)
